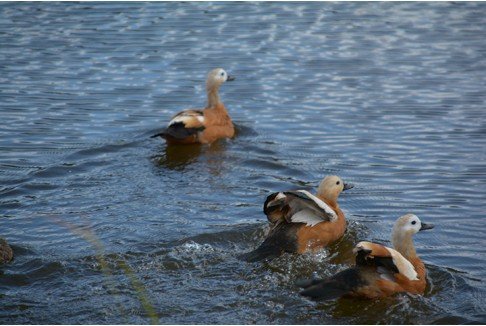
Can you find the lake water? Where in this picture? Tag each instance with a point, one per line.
(110, 226)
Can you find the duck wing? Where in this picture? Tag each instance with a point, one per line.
(297, 207)
(387, 261)
(184, 124)
(333, 287)
(282, 238)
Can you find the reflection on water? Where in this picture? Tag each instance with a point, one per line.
(390, 96)
(178, 156)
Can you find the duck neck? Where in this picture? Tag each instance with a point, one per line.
(331, 202)
(213, 96)
(404, 245)
(329, 198)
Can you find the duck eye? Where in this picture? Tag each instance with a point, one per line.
(338, 182)
(414, 222)
(222, 74)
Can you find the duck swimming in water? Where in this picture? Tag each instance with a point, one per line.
(380, 271)
(202, 126)
(300, 221)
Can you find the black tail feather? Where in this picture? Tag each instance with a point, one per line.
(334, 287)
(281, 238)
(324, 290)
(160, 134)
(262, 252)
(305, 283)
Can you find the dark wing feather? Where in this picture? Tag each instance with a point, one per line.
(275, 209)
(364, 257)
(178, 130)
(282, 238)
(334, 287)
(297, 207)
(183, 125)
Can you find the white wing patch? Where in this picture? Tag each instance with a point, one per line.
(321, 204)
(404, 266)
(186, 118)
(307, 216)
(300, 207)
(278, 200)
(175, 120)
(280, 195)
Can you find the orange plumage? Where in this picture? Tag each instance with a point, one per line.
(202, 126)
(380, 271)
(300, 221)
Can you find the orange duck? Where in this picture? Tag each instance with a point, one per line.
(300, 221)
(202, 126)
(380, 271)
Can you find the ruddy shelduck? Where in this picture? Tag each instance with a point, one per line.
(202, 126)
(6, 252)
(301, 221)
(380, 271)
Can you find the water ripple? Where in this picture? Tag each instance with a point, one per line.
(388, 95)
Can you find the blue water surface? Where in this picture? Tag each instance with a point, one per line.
(110, 226)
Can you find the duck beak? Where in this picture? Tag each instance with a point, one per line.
(426, 226)
(348, 186)
(230, 78)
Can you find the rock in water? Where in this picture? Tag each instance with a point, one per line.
(6, 252)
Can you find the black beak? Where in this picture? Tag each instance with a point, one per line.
(426, 226)
(230, 78)
(348, 186)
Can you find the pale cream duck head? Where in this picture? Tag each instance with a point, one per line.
(216, 78)
(409, 225)
(403, 231)
(330, 188)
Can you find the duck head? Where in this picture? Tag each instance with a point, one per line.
(403, 231)
(410, 224)
(330, 188)
(216, 78)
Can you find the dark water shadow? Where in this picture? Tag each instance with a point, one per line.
(177, 157)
